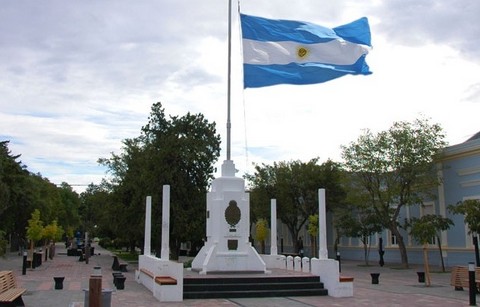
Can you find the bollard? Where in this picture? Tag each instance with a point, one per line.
(339, 262)
(115, 276)
(375, 276)
(297, 264)
(289, 263)
(59, 282)
(95, 291)
(421, 276)
(120, 284)
(471, 283)
(306, 264)
(24, 265)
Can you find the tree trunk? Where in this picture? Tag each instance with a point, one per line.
(132, 246)
(441, 256)
(32, 247)
(401, 247)
(294, 233)
(426, 266)
(174, 250)
(475, 245)
(46, 250)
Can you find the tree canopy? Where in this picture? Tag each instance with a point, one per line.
(295, 185)
(23, 192)
(396, 168)
(179, 151)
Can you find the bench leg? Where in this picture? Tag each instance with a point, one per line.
(17, 302)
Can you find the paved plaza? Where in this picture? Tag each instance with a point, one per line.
(397, 287)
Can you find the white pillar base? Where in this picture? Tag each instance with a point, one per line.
(327, 269)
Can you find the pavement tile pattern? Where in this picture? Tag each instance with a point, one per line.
(397, 287)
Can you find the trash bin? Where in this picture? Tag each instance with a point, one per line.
(106, 297)
(58, 282)
(421, 276)
(375, 278)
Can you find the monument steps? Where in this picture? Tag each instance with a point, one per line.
(243, 287)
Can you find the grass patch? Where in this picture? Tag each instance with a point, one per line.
(188, 264)
(365, 265)
(400, 268)
(126, 256)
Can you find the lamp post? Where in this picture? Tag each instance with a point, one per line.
(24, 265)
(471, 282)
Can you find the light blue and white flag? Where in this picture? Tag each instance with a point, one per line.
(296, 52)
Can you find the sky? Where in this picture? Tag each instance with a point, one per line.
(78, 77)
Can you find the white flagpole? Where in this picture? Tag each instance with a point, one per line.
(229, 125)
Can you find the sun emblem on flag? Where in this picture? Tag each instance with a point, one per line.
(302, 52)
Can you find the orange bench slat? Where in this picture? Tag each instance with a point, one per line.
(165, 280)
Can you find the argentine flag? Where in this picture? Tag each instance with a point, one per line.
(296, 52)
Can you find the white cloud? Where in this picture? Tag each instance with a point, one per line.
(76, 78)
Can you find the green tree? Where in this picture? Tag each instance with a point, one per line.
(261, 233)
(470, 208)
(423, 230)
(21, 192)
(359, 222)
(396, 168)
(312, 229)
(295, 186)
(68, 214)
(14, 200)
(179, 151)
(51, 233)
(34, 229)
(3, 244)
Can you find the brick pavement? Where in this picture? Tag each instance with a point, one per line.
(397, 287)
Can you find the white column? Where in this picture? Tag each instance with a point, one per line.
(148, 227)
(165, 252)
(322, 225)
(273, 230)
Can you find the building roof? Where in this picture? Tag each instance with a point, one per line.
(476, 136)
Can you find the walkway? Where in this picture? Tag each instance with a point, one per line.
(397, 287)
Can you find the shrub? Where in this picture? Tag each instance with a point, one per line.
(3, 244)
(105, 242)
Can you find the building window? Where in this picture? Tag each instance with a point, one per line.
(393, 239)
(429, 208)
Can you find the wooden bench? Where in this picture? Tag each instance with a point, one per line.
(346, 279)
(117, 266)
(147, 272)
(459, 277)
(10, 295)
(165, 280)
(161, 280)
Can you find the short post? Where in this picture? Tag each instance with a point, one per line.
(339, 262)
(87, 249)
(297, 264)
(471, 283)
(375, 277)
(421, 276)
(97, 271)
(58, 282)
(95, 288)
(24, 265)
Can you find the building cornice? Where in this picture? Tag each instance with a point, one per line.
(466, 149)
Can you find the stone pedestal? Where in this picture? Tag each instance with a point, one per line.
(227, 247)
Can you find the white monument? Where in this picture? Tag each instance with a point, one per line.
(227, 247)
